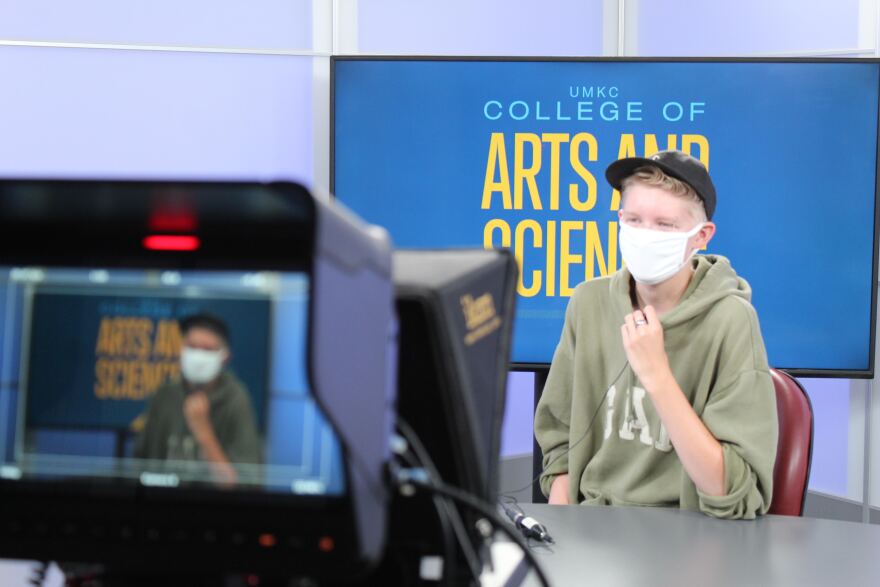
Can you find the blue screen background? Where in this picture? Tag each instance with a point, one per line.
(792, 153)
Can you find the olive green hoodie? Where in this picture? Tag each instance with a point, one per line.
(717, 356)
(166, 434)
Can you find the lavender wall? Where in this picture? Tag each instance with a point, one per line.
(516, 434)
(275, 24)
(745, 27)
(831, 413)
(484, 27)
(87, 112)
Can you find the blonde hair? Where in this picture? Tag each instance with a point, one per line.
(652, 176)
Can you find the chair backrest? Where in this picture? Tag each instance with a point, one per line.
(795, 450)
(538, 456)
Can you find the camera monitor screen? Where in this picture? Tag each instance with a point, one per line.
(162, 378)
(512, 152)
(177, 360)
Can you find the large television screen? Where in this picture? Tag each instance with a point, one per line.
(454, 152)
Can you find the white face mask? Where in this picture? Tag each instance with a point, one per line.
(653, 256)
(199, 366)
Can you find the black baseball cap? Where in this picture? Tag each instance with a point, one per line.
(673, 163)
(209, 322)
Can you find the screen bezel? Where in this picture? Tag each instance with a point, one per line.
(867, 373)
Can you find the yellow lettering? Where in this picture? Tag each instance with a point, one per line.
(168, 339)
(594, 253)
(566, 258)
(596, 257)
(489, 238)
(627, 149)
(104, 345)
(519, 248)
(583, 173)
(121, 336)
(523, 174)
(555, 139)
(687, 143)
(102, 383)
(497, 158)
(121, 379)
(551, 258)
(142, 337)
(650, 145)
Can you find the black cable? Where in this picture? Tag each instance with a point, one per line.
(473, 561)
(443, 516)
(487, 510)
(579, 440)
(455, 519)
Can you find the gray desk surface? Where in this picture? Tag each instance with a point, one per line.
(655, 547)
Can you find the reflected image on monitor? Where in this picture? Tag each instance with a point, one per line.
(93, 384)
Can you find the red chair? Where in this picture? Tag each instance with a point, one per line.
(795, 450)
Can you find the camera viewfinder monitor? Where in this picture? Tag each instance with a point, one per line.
(511, 152)
(174, 387)
(455, 309)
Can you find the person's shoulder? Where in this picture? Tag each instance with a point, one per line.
(233, 388)
(589, 296)
(593, 288)
(169, 389)
(734, 311)
(228, 379)
(734, 321)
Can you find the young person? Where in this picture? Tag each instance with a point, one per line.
(205, 416)
(659, 392)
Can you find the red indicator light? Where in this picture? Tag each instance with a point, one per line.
(326, 544)
(168, 242)
(267, 540)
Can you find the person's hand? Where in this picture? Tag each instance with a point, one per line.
(643, 343)
(197, 410)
